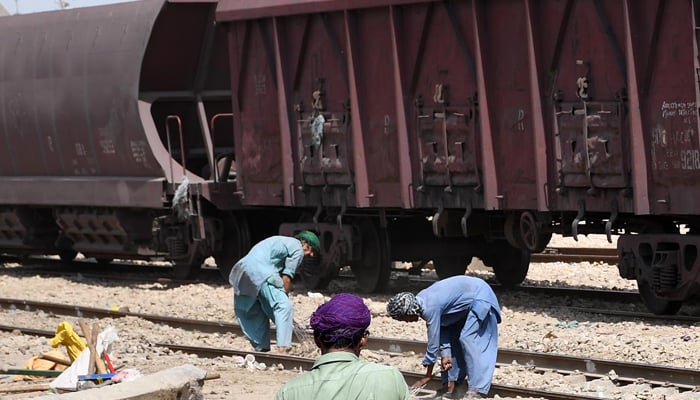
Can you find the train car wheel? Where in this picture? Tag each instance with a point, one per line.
(447, 266)
(655, 304)
(510, 265)
(373, 269)
(67, 255)
(186, 270)
(236, 243)
(532, 237)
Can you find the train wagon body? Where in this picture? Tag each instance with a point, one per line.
(396, 129)
(112, 137)
(509, 120)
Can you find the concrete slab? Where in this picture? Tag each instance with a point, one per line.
(183, 382)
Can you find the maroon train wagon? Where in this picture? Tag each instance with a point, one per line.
(399, 130)
(116, 135)
(478, 128)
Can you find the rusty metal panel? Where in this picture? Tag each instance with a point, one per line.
(664, 44)
(68, 91)
(583, 73)
(448, 150)
(373, 107)
(463, 104)
(338, 103)
(103, 192)
(590, 139)
(362, 116)
(336, 116)
(256, 113)
(315, 76)
(439, 79)
(503, 29)
(325, 161)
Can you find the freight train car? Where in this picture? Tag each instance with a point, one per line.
(478, 128)
(116, 135)
(396, 129)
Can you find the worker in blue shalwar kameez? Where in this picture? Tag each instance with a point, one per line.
(461, 314)
(261, 282)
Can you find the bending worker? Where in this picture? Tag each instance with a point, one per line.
(261, 282)
(461, 314)
(340, 331)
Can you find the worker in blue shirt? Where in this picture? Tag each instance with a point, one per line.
(461, 314)
(261, 284)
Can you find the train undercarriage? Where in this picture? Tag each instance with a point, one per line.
(663, 261)
(665, 267)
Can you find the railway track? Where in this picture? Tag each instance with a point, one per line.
(303, 363)
(147, 272)
(577, 254)
(130, 270)
(539, 364)
(628, 373)
(434, 384)
(549, 254)
(136, 272)
(655, 376)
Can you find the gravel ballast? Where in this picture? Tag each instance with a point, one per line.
(530, 322)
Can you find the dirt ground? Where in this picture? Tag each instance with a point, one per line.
(530, 322)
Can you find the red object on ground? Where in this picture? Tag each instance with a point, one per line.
(108, 362)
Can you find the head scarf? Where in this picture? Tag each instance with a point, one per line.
(341, 321)
(311, 239)
(403, 304)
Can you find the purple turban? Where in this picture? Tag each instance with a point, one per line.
(345, 316)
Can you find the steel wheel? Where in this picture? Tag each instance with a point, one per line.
(531, 236)
(373, 267)
(510, 265)
(655, 304)
(236, 243)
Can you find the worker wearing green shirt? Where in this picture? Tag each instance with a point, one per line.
(340, 331)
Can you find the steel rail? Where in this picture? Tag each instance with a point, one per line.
(620, 296)
(593, 367)
(88, 269)
(295, 362)
(291, 362)
(549, 254)
(625, 297)
(576, 254)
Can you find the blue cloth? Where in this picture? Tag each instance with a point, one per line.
(458, 372)
(467, 308)
(254, 315)
(270, 257)
(258, 290)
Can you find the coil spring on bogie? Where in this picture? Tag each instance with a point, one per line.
(665, 270)
(176, 247)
